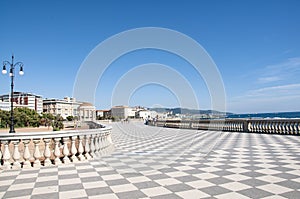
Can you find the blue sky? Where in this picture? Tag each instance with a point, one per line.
(255, 45)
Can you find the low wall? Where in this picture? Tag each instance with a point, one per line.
(25, 150)
(274, 126)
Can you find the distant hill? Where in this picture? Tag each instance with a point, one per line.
(186, 111)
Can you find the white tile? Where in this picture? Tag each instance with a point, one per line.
(72, 194)
(268, 171)
(237, 170)
(88, 174)
(270, 179)
(200, 184)
(274, 197)
(10, 173)
(25, 176)
(90, 185)
(47, 178)
(46, 170)
(21, 186)
(184, 168)
(156, 191)
(123, 188)
(237, 177)
(190, 194)
(138, 179)
(112, 177)
(210, 169)
(232, 195)
(43, 190)
(205, 176)
(6, 182)
(69, 181)
(235, 186)
(105, 196)
(177, 174)
(275, 189)
(67, 172)
(167, 181)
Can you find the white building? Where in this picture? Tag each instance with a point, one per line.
(66, 107)
(122, 112)
(22, 99)
(145, 114)
(87, 112)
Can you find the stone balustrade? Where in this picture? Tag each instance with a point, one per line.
(25, 150)
(274, 126)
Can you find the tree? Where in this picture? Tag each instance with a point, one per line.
(58, 123)
(70, 118)
(25, 117)
(46, 119)
(4, 119)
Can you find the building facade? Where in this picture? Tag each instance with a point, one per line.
(104, 114)
(122, 112)
(22, 99)
(87, 112)
(63, 107)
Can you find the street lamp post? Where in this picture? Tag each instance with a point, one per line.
(11, 74)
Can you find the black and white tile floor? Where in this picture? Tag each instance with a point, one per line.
(152, 162)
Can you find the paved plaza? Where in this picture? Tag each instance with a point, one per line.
(154, 162)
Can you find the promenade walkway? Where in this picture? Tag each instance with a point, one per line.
(153, 162)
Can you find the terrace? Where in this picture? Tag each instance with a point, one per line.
(137, 161)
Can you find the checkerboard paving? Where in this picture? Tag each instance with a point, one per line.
(153, 162)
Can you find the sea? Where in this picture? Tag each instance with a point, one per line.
(266, 115)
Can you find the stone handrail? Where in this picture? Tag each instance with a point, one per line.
(25, 150)
(274, 126)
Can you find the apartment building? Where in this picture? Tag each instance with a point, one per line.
(63, 107)
(22, 99)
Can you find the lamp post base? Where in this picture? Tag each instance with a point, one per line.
(12, 130)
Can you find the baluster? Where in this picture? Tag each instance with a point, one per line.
(281, 130)
(26, 154)
(263, 126)
(57, 160)
(97, 145)
(101, 144)
(66, 151)
(110, 143)
(277, 128)
(250, 128)
(87, 147)
(16, 155)
(47, 152)
(254, 126)
(73, 149)
(295, 128)
(93, 146)
(260, 127)
(109, 138)
(6, 155)
(269, 126)
(37, 153)
(291, 128)
(283, 127)
(80, 148)
(104, 141)
(107, 141)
